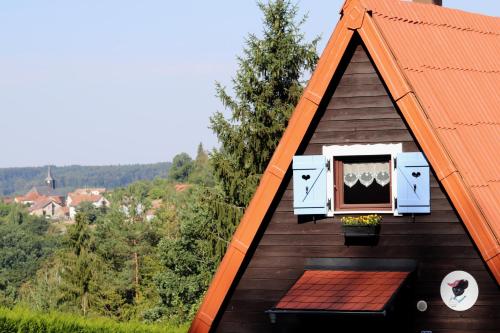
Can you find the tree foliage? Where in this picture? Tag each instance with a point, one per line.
(202, 173)
(190, 259)
(266, 88)
(182, 165)
(24, 245)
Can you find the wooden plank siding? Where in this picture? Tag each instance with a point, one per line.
(360, 111)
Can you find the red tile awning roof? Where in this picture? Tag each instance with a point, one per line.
(342, 291)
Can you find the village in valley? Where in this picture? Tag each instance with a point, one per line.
(46, 201)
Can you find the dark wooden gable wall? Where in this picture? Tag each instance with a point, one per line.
(361, 112)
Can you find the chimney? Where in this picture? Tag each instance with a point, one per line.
(432, 2)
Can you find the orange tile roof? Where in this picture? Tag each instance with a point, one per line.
(57, 199)
(342, 291)
(456, 77)
(77, 199)
(32, 195)
(43, 201)
(449, 101)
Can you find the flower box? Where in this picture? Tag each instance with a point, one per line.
(361, 230)
(361, 226)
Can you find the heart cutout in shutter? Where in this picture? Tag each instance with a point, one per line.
(306, 177)
(415, 174)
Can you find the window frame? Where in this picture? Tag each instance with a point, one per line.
(338, 186)
(335, 151)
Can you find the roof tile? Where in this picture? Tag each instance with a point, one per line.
(348, 290)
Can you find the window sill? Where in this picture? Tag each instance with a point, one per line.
(343, 212)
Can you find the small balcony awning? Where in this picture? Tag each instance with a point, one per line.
(342, 292)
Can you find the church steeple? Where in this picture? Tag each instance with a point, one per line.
(49, 180)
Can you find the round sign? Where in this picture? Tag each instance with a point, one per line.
(459, 290)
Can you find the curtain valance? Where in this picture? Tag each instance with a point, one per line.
(366, 173)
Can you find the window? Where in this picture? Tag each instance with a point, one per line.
(363, 182)
(361, 178)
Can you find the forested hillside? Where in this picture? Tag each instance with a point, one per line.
(20, 180)
(150, 255)
(123, 264)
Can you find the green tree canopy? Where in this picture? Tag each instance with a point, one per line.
(182, 165)
(24, 245)
(266, 89)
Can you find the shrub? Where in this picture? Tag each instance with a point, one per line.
(20, 320)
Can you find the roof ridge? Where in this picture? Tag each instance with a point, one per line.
(454, 68)
(369, 4)
(409, 11)
(443, 25)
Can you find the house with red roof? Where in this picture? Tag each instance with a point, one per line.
(379, 210)
(51, 207)
(29, 198)
(77, 197)
(37, 193)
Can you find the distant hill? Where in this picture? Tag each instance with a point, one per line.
(20, 180)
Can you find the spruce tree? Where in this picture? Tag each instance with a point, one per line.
(266, 88)
(202, 172)
(80, 264)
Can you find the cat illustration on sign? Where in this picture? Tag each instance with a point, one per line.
(458, 287)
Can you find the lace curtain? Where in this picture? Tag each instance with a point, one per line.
(366, 173)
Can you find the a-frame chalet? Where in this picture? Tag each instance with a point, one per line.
(401, 118)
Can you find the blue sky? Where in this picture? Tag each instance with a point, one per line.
(123, 81)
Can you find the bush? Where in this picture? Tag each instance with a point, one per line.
(21, 320)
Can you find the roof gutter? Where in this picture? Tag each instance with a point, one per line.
(274, 313)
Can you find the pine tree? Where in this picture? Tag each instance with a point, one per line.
(202, 173)
(266, 89)
(80, 265)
